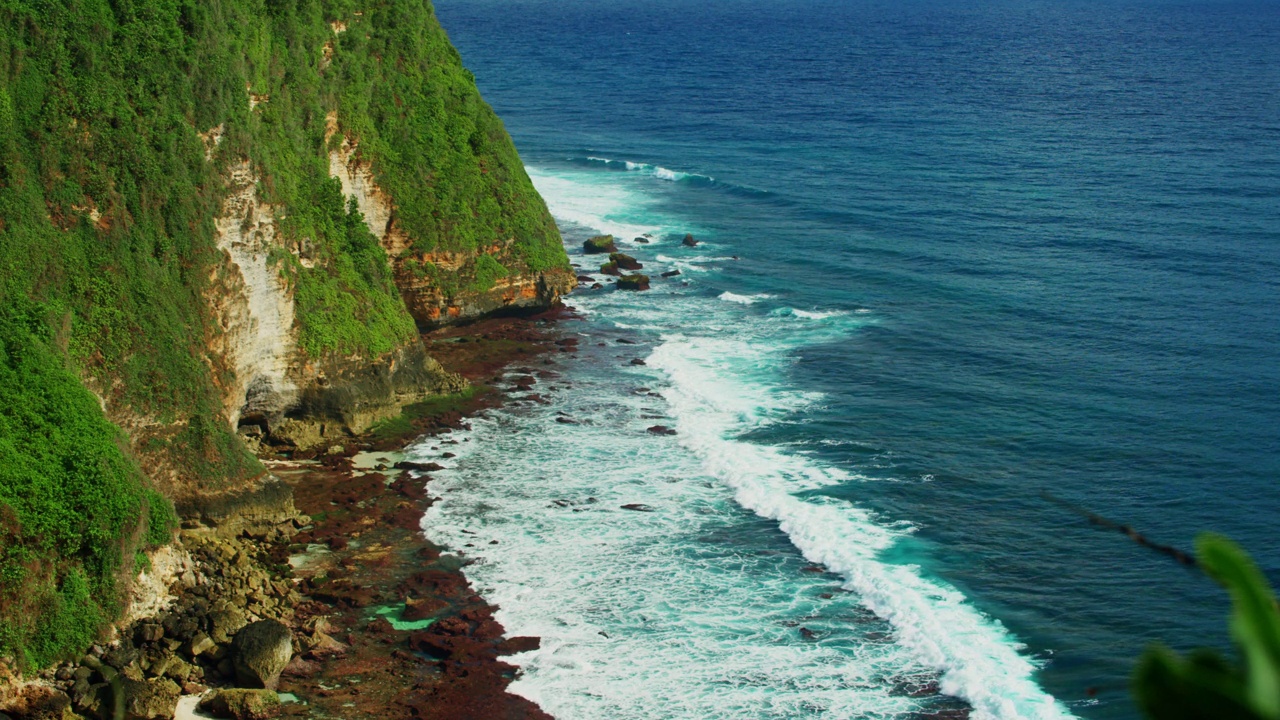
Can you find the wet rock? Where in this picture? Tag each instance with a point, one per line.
(422, 608)
(599, 245)
(566, 420)
(661, 430)
(624, 261)
(585, 279)
(670, 273)
(147, 699)
(635, 281)
(518, 644)
(423, 467)
(808, 634)
(610, 268)
(625, 341)
(641, 240)
(689, 240)
(241, 704)
(638, 361)
(637, 507)
(260, 651)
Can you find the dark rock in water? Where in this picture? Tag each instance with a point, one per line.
(807, 634)
(638, 361)
(662, 430)
(260, 651)
(447, 455)
(671, 273)
(813, 569)
(599, 245)
(518, 644)
(689, 240)
(642, 240)
(625, 341)
(565, 342)
(633, 282)
(637, 507)
(610, 268)
(241, 704)
(566, 421)
(424, 467)
(626, 262)
(596, 286)
(585, 279)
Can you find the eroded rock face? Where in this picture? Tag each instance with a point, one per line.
(274, 390)
(260, 652)
(431, 304)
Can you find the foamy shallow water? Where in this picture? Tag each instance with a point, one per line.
(705, 602)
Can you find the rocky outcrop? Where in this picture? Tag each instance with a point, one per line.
(635, 281)
(599, 245)
(439, 286)
(241, 704)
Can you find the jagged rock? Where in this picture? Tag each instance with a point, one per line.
(599, 245)
(260, 651)
(519, 644)
(625, 262)
(225, 623)
(689, 240)
(200, 644)
(635, 281)
(148, 699)
(241, 704)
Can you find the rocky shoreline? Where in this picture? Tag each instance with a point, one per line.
(317, 594)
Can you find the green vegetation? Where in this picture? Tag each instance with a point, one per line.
(73, 506)
(110, 188)
(1204, 685)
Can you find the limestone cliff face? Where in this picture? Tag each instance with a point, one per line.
(441, 287)
(274, 390)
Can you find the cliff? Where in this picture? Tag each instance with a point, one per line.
(223, 223)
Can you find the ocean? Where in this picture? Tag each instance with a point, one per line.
(953, 257)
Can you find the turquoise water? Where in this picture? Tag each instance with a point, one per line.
(983, 251)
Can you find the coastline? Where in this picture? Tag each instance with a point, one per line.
(383, 622)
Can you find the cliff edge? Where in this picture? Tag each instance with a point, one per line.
(221, 224)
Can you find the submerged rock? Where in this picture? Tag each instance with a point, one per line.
(260, 651)
(661, 430)
(599, 245)
(670, 273)
(689, 240)
(637, 507)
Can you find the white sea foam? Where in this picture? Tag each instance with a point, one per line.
(602, 206)
(977, 658)
(744, 299)
(656, 171)
(813, 314)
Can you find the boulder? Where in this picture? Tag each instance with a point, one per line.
(421, 467)
(610, 268)
(241, 704)
(599, 245)
(148, 699)
(635, 281)
(661, 430)
(689, 240)
(670, 273)
(625, 262)
(225, 623)
(260, 651)
(642, 240)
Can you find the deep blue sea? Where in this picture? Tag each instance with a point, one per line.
(954, 255)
